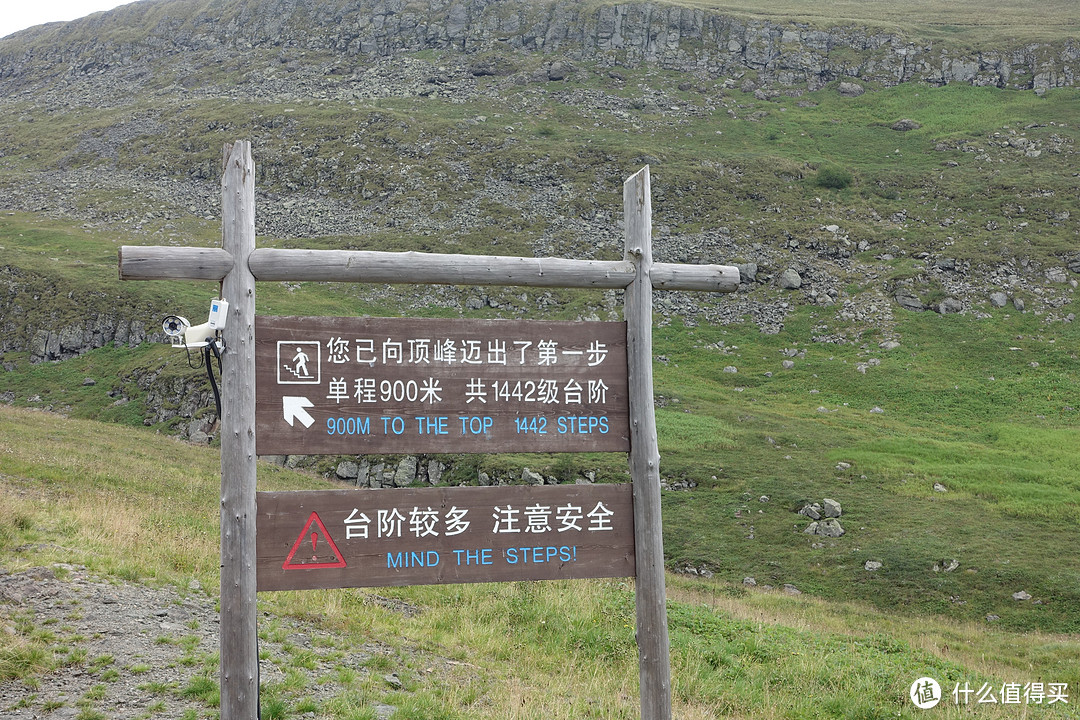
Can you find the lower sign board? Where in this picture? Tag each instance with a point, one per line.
(344, 385)
(372, 538)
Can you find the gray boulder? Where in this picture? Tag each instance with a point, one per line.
(909, 301)
(830, 527)
(347, 470)
(405, 473)
(790, 279)
(950, 306)
(850, 89)
(747, 272)
(1057, 275)
(434, 471)
(558, 71)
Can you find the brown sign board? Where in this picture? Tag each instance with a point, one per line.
(349, 385)
(372, 538)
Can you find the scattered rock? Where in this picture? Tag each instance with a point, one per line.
(872, 565)
(947, 565)
(731, 369)
(850, 89)
(749, 581)
(347, 470)
(832, 508)
(938, 487)
(1057, 275)
(909, 301)
(531, 478)
(747, 272)
(1021, 595)
(558, 71)
(790, 280)
(950, 306)
(791, 589)
(906, 124)
(827, 527)
(998, 299)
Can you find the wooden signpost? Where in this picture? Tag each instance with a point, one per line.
(350, 538)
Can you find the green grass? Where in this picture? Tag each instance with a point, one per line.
(202, 688)
(732, 648)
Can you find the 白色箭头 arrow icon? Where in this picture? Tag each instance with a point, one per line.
(294, 409)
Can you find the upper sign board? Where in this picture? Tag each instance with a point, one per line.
(347, 385)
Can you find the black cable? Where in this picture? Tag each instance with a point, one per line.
(212, 346)
(191, 365)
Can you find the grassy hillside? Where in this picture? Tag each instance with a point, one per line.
(985, 175)
(966, 21)
(978, 403)
(136, 506)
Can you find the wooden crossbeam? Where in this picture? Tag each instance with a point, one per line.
(270, 264)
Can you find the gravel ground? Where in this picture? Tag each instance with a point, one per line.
(131, 651)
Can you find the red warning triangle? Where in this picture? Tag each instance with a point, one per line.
(309, 542)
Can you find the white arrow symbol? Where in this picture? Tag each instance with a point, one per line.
(294, 408)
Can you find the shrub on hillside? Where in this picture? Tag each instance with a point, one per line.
(836, 178)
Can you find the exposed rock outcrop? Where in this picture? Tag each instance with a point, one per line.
(628, 34)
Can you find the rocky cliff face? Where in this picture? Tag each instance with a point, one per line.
(765, 53)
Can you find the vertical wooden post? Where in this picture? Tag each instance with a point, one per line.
(239, 646)
(654, 662)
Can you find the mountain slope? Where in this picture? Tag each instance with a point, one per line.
(896, 241)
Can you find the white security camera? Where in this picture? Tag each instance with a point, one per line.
(175, 325)
(184, 334)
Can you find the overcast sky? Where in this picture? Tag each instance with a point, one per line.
(20, 14)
